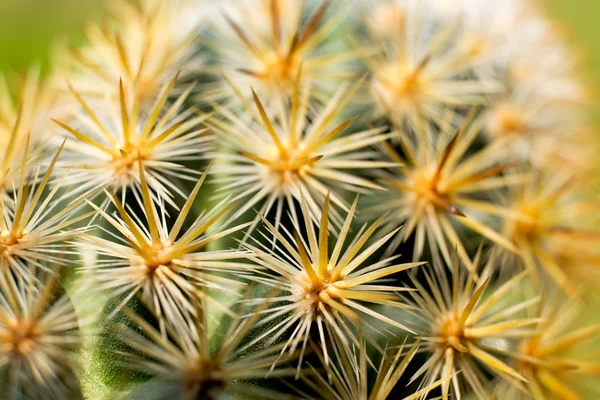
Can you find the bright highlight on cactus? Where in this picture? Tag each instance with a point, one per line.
(318, 199)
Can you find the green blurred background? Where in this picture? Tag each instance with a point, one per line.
(29, 27)
(581, 20)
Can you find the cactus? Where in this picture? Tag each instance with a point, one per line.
(317, 199)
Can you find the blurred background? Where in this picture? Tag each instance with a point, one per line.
(28, 27)
(580, 18)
